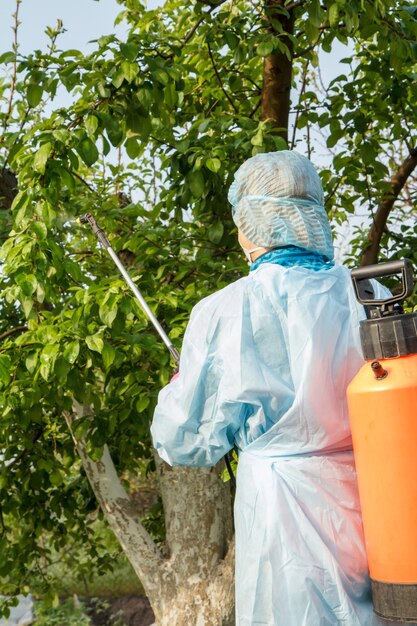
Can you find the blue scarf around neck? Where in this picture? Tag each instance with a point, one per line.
(293, 256)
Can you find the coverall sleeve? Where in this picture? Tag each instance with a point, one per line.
(196, 417)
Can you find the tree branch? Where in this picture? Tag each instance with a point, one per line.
(190, 34)
(12, 331)
(84, 182)
(8, 188)
(120, 511)
(302, 90)
(371, 251)
(2, 524)
(255, 108)
(14, 71)
(294, 5)
(219, 79)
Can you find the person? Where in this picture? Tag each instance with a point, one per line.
(265, 364)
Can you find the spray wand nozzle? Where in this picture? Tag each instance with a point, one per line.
(88, 218)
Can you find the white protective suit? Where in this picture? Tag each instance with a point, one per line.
(264, 366)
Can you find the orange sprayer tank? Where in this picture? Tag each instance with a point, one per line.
(382, 400)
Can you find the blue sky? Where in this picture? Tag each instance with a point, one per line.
(83, 20)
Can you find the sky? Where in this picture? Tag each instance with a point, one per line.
(84, 20)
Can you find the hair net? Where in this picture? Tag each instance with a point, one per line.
(277, 200)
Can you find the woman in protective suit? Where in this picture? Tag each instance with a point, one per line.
(264, 367)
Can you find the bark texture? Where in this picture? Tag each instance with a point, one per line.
(198, 517)
(370, 254)
(192, 581)
(277, 70)
(8, 188)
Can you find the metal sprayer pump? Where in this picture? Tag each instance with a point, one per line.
(101, 236)
(382, 400)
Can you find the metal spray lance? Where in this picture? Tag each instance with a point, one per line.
(101, 236)
(88, 218)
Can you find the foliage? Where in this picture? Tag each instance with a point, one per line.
(67, 612)
(155, 127)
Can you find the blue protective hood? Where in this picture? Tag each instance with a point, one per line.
(277, 200)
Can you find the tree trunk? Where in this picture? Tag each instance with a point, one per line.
(371, 251)
(198, 518)
(8, 188)
(192, 580)
(277, 71)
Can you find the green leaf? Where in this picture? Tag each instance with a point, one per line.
(31, 361)
(129, 70)
(91, 125)
(258, 138)
(27, 283)
(108, 353)
(333, 14)
(72, 351)
(280, 143)
(133, 148)
(56, 478)
(61, 369)
(139, 124)
(49, 353)
(66, 177)
(96, 453)
(108, 313)
(87, 150)
(117, 77)
(315, 13)
(161, 76)
(5, 367)
(312, 32)
(21, 200)
(197, 184)
(367, 153)
(215, 232)
(213, 164)
(129, 51)
(81, 427)
(41, 157)
(265, 48)
(39, 229)
(4, 481)
(27, 304)
(47, 360)
(95, 342)
(106, 146)
(114, 130)
(142, 403)
(34, 94)
(170, 95)
(231, 39)
(7, 57)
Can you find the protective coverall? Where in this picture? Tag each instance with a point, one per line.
(264, 366)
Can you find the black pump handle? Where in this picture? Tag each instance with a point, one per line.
(391, 268)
